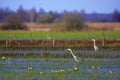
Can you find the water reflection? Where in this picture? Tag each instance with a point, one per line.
(37, 51)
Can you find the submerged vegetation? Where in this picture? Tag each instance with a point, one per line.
(59, 68)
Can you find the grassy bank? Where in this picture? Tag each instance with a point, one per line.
(81, 35)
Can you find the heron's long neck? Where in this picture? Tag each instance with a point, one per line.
(94, 43)
(72, 53)
(74, 56)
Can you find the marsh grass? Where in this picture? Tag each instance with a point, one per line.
(59, 76)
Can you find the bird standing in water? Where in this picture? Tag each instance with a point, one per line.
(95, 47)
(75, 57)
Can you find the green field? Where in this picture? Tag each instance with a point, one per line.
(81, 35)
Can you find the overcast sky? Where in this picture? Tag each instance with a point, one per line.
(100, 6)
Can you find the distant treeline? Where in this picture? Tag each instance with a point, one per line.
(42, 16)
(74, 20)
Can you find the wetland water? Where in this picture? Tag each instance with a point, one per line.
(37, 51)
(90, 69)
(93, 67)
(16, 67)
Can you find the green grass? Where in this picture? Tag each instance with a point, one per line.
(59, 76)
(82, 34)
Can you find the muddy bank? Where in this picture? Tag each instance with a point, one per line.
(57, 44)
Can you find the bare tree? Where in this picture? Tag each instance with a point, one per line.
(21, 13)
(116, 15)
(32, 14)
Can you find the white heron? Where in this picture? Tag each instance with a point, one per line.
(95, 47)
(75, 57)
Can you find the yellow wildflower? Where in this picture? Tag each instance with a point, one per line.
(75, 68)
(98, 67)
(41, 73)
(3, 57)
(61, 70)
(29, 68)
(93, 67)
(110, 72)
(52, 71)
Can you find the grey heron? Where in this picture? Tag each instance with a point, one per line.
(75, 57)
(95, 47)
